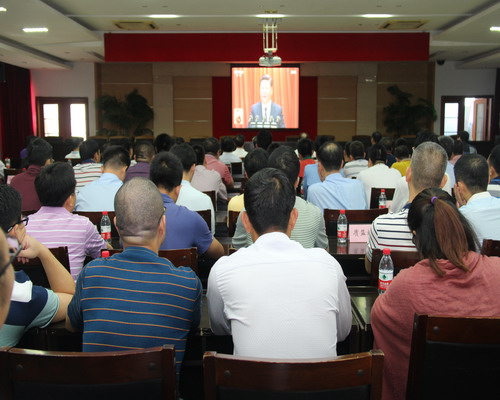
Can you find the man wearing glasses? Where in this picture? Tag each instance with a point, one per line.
(30, 306)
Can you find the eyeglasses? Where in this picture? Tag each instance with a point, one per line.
(23, 220)
(14, 250)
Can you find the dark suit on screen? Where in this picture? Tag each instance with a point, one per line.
(276, 115)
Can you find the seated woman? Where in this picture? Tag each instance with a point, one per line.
(451, 280)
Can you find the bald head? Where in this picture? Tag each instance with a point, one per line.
(330, 155)
(138, 208)
(428, 165)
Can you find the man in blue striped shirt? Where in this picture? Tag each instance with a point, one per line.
(136, 299)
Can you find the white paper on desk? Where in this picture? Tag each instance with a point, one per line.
(359, 232)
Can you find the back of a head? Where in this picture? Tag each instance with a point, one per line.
(200, 154)
(163, 142)
(144, 151)
(185, 154)
(73, 143)
(138, 208)
(285, 160)
(124, 142)
(55, 183)
(377, 153)
(166, 171)
(115, 157)
(388, 143)
(347, 149)
(376, 137)
(494, 158)
(446, 143)
(10, 206)
(88, 148)
(425, 136)
(402, 152)
(433, 215)
(357, 149)
(330, 155)
(464, 136)
(228, 145)
(39, 151)
(401, 142)
(428, 165)
(264, 139)
(321, 140)
(305, 147)
(458, 147)
(239, 140)
(211, 145)
(269, 199)
(472, 170)
(272, 147)
(255, 161)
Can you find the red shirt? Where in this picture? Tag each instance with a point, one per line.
(303, 164)
(24, 183)
(215, 165)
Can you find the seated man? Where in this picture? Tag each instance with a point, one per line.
(309, 228)
(206, 180)
(185, 228)
(357, 162)
(54, 224)
(31, 306)
(190, 197)
(144, 153)
(447, 143)
(39, 155)
(99, 195)
(212, 153)
(73, 144)
(494, 171)
(228, 146)
(426, 170)
(335, 192)
(476, 204)
(402, 159)
(311, 175)
(240, 152)
(305, 152)
(275, 298)
(90, 168)
(136, 299)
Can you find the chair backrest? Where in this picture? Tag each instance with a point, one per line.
(207, 216)
(178, 257)
(355, 376)
(232, 218)
(454, 358)
(95, 218)
(353, 216)
(213, 197)
(34, 268)
(237, 168)
(132, 374)
(400, 259)
(389, 193)
(491, 247)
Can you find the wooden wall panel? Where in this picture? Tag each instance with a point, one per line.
(343, 130)
(189, 129)
(127, 73)
(192, 87)
(337, 109)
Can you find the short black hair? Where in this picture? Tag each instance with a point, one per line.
(239, 140)
(228, 145)
(200, 154)
(166, 171)
(388, 143)
(10, 206)
(458, 147)
(115, 156)
(446, 143)
(285, 160)
(305, 147)
(144, 150)
(185, 154)
(255, 161)
(376, 136)
(88, 148)
(163, 142)
(321, 140)
(211, 145)
(269, 199)
(39, 151)
(425, 136)
(402, 152)
(401, 142)
(179, 140)
(272, 147)
(347, 150)
(376, 153)
(357, 149)
(72, 143)
(464, 136)
(472, 170)
(55, 183)
(494, 158)
(264, 139)
(330, 155)
(124, 142)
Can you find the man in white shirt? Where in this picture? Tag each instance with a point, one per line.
(206, 180)
(228, 147)
(357, 162)
(276, 298)
(190, 197)
(240, 142)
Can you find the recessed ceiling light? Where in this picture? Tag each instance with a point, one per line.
(3, 9)
(164, 16)
(270, 15)
(35, 30)
(495, 29)
(377, 15)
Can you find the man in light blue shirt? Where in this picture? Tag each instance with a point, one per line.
(99, 195)
(335, 192)
(477, 205)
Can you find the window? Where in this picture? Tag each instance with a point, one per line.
(62, 116)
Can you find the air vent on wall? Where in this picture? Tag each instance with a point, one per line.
(135, 25)
(402, 25)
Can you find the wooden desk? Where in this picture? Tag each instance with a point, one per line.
(351, 257)
(362, 299)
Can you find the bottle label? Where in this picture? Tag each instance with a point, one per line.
(384, 284)
(106, 235)
(342, 234)
(382, 205)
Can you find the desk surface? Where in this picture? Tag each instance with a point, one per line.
(349, 249)
(362, 299)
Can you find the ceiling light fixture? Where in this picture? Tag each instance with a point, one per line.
(163, 16)
(35, 30)
(3, 9)
(270, 40)
(495, 29)
(269, 15)
(377, 15)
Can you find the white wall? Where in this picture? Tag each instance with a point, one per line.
(451, 81)
(77, 82)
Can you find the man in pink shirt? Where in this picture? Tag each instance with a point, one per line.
(212, 153)
(206, 180)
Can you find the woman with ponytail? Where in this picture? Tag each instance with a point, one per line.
(452, 279)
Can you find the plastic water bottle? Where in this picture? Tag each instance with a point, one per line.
(105, 254)
(106, 227)
(7, 163)
(382, 199)
(342, 227)
(385, 271)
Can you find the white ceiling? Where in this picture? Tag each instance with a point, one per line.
(459, 29)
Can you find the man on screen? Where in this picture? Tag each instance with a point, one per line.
(266, 113)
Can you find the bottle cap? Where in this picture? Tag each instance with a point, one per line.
(387, 252)
(105, 253)
(342, 211)
(104, 213)
(382, 191)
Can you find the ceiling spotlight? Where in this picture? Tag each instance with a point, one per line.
(3, 9)
(270, 40)
(270, 15)
(35, 30)
(495, 29)
(377, 15)
(163, 16)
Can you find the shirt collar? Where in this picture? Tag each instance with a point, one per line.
(53, 210)
(478, 196)
(185, 183)
(495, 181)
(167, 198)
(88, 161)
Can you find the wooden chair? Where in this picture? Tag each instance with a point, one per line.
(400, 259)
(34, 268)
(454, 358)
(237, 168)
(213, 197)
(207, 216)
(178, 257)
(232, 218)
(353, 216)
(491, 247)
(95, 218)
(356, 376)
(132, 374)
(389, 192)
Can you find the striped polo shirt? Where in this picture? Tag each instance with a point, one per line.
(86, 172)
(135, 300)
